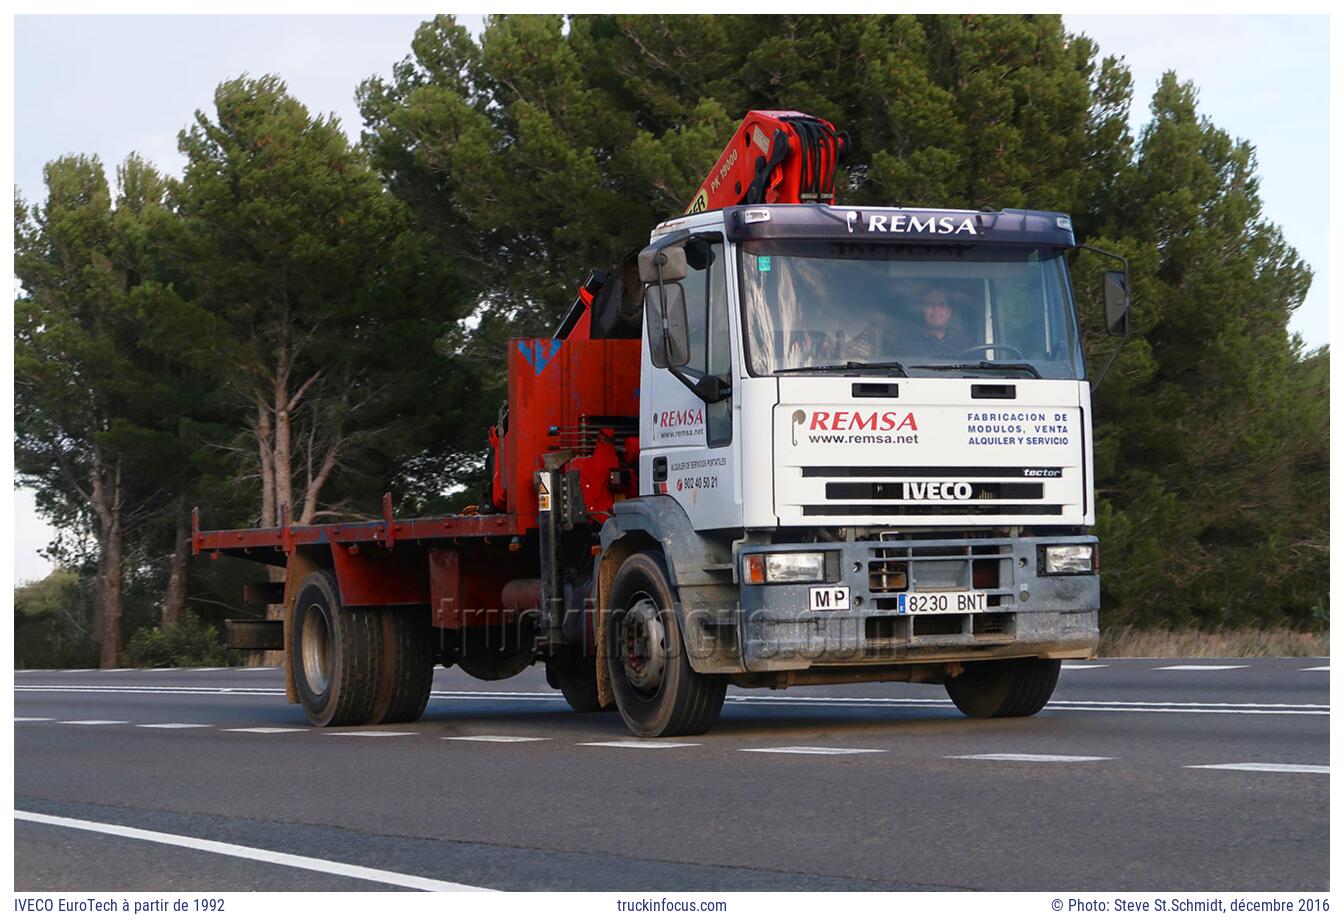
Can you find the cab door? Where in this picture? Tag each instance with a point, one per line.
(686, 444)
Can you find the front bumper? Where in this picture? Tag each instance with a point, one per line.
(1028, 614)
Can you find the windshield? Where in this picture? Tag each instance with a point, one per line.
(924, 310)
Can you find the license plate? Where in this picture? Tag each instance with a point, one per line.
(831, 597)
(942, 602)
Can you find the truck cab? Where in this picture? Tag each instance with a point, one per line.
(865, 452)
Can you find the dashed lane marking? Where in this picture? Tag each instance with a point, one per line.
(400, 880)
(1202, 667)
(369, 734)
(812, 750)
(1028, 758)
(265, 730)
(647, 745)
(1264, 767)
(1082, 667)
(1324, 667)
(174, 725)
(907, 703)
(33, 719)
(499, 739)
(94, 722)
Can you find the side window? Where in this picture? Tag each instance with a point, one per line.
(706, 289)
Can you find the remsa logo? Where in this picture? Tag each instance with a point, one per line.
(819, 420)
(946, 225)
(678, 418)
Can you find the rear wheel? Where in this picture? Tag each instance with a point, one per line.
(656, 690)
(407, 671)
(1004, 689)
(335, 654)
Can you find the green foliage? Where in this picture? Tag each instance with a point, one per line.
(541, 152)
(187, 643)
(53, 623)
(157, 317)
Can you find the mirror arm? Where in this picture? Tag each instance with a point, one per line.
(1106, 368)
(707, 392)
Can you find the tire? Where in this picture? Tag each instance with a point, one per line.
(407, 669)
(576, 678)
(656, 690)
(1004, 689)
(335, 654)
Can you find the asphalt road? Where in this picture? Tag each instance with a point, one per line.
(1134, 778)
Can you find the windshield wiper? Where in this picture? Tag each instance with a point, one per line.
(896, 366)
(982, 365)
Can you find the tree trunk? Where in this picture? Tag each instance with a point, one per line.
(284, 478)
(175, 595)
(106, 497)
(108, 599)
(266, 452)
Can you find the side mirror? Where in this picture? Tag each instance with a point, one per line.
(1117, 303)
(671, 260)
(669, 335)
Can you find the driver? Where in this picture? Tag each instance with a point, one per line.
(939, 334)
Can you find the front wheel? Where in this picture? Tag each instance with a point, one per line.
(1004, 689)
(657, 691)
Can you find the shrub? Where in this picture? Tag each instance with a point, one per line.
(189, 642)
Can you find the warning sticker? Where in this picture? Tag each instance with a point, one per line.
(543, 493)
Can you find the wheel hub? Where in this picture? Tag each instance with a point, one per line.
(315, 648)
(644, 646)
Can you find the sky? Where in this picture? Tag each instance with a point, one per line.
(109, 85)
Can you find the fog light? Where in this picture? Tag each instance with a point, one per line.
(1075, 559)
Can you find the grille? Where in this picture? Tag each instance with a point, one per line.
(993, 624)
(884, 511)
(895, 491)
(938, 624)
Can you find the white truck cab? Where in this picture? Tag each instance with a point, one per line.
(876, 425)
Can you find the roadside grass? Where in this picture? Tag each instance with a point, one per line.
(1133, 642)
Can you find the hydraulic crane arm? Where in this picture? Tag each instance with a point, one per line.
(774, 158)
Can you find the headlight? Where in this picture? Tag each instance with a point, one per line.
(783, 568)
(1077, 559)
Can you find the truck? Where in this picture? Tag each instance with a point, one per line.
(786, 442)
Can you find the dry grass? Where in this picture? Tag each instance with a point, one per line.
(1129, 642)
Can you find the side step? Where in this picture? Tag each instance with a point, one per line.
(256, 635)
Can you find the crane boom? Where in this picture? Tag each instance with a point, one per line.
(774, 158)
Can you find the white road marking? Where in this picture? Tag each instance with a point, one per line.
(812, 750)
(414, 882)
(1324, 667)
(1202, 667)
(265, 730)
(165, 669)
(1082, 667)
(33, 719)
(174, 725)
(1143, 706)
(209, 669)
(258, 669)
(500, 739)
(94, 722)
(369, 734)
(1264, 767)
(649, 745)
(1028, 758)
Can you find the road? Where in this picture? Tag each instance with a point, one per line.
(1134, 778)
